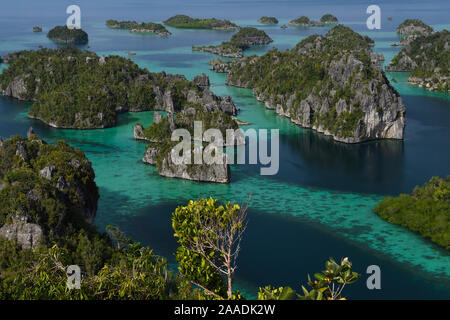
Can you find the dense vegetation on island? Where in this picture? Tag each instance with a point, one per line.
(78, 89)
(44, 229)
(426, 211)
(242, 40)
(334, 84)
(414, 26)
(144, 27)
(328, 19)
(183, 21)
(65, 35)
(427, 57)
(304, 21)
(268, 20)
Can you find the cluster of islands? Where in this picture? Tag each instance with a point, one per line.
(333, 83)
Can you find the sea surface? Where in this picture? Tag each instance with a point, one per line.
(319, 205)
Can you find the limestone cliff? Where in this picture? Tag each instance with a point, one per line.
(44, 188)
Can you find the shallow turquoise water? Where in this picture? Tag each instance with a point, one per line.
(319, 205)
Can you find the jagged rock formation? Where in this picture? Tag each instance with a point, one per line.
(304, 21)
(218, 173)
(333, 84)
(427, 58)
(202, 80)
(77, 89)
(43, 187)
(37, 29)
(414, 27)
(64, 35)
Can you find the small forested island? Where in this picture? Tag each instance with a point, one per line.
(65, 35)
(37, 29)
(77, 89)
(159, 150)
(304, 21)
(329, 19)
(411, 29)
(426, 211)
(242, 40)
(333, 84)
(268, 20)
(133, 26)
(183, 21)
(427, 58)
(48, 202)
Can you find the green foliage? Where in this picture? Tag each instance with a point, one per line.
(282, 293)
(183, 21)
(240, 41)
(62, 34)
(71, 89)
(138, 27)
(134, 273)
(25, 192)
(121, 24)
(415, 23)
(301, 20)
(328, 285)
(426, 211)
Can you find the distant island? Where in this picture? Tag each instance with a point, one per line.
(426, 56)
(71, 88)
(268, 20)
(329, 19)
(65, 35)
(242, 40)
(37, 29)
(426, 211)
(304, 21)
(133, 26)
(183, 21)
(333, 84)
